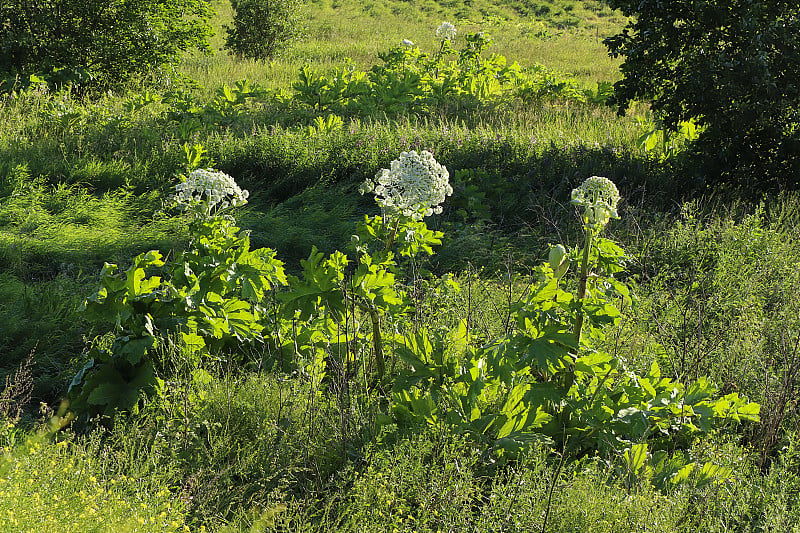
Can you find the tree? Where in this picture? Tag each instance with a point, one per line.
(264, 28)
(733, 66)
(97, 42)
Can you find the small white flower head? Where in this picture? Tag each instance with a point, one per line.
(207, 191)
(415, 186)
(407, 43)
(446, 32)
(599, 198)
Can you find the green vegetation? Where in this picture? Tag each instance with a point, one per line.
(264, 28)
(479, 353)
(96, 45)
(747, 100)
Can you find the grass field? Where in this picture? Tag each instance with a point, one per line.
(339, 30)
(234, 440)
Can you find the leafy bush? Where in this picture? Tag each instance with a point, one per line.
(262, 29)
(411, 80)
(209, 296)
(550, 380)
(747, 95)
(95, 42)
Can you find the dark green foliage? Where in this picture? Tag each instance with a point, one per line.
(208, 297)
(262, 29)
(40, 316)
(95, 42)
(733, 66)
(719, 296)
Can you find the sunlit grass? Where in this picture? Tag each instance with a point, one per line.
(338, 31)
(61, 486)
(254, 451)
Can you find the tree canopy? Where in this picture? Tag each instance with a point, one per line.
(733, 66)
(97, 42)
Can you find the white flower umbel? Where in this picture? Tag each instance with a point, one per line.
(415, 186)
(407, 43)
(446, 32)
(599, 197)
(208, 191)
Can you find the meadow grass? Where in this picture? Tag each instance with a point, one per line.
(360, 31)
(84, 181)
(68, 486)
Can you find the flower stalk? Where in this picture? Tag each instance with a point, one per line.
(598, 197)
(583, 279)
(412, 188)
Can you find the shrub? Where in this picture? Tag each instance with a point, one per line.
(264, 28)
(730, 65)
(96, 42)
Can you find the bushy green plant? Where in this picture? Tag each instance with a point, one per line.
(262, 29)
(550, 380)
(746, 99)
(95, 43)
(330, 297)
(209, 297)
(411, 80)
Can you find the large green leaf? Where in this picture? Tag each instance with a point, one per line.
(133, 349)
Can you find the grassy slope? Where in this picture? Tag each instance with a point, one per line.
(80, 191)
(359, 31)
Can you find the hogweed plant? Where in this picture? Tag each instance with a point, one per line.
(326, 304)
(413, 187)
(597, 197)
(206, 193)
(551, 381)
(446, 32)
(210, 298)
(413, 80)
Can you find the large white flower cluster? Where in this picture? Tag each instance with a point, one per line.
(415, 186)
(207, 190)
(446, 32)
(599, 197)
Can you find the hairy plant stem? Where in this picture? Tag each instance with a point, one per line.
(392, 237)
(377, 343)
(580, 296)
(582, 281)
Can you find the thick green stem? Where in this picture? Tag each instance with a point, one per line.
(580, 297)
(392, 237)
(582, 281)
(377, 343)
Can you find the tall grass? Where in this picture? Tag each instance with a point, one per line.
(361, 30)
